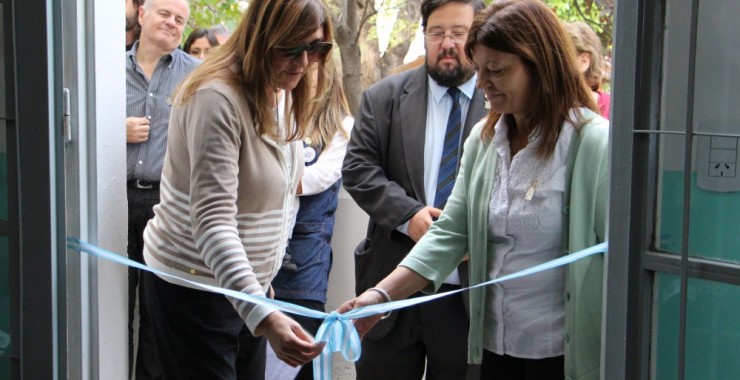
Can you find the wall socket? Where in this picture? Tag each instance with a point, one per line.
(722, 169)
(717, 161)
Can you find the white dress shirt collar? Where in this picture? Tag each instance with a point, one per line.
(438, 91)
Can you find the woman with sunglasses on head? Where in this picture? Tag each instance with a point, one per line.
(231, 171)
(532, 187)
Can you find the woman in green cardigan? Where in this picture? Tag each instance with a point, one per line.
(532, 187)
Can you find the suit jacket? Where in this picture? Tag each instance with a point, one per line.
(383, 171)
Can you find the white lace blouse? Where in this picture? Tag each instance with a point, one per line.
(524, 317)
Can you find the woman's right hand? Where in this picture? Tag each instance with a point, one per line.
(363, 325)
(291, 343)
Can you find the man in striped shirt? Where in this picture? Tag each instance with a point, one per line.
(154, 68)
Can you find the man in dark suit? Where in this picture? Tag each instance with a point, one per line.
(400, 167)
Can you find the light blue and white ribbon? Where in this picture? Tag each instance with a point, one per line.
(337, 330)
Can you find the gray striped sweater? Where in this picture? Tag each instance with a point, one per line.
(226, 199)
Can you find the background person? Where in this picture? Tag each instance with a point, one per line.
(154, 68)
(229, 179)
(221, 32)
(133, 29)
(399, 168)
(199, 43)
(303, 278)
(590, 62)
(533, 184)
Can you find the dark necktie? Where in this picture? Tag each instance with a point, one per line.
(448, 163)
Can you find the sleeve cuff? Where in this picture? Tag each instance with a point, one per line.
(424, 271)
(256, 315)
(403, 228)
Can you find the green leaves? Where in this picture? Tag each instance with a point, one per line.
(598, 14)
(207, 13)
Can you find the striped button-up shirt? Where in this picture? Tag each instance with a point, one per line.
(152, 99)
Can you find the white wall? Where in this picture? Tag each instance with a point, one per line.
(717, 67)
(107, 181)
(349, 230)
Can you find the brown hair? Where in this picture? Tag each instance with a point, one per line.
(586, 41)
(198, 33)
(529, 29)
(429, 6)
(245, 60)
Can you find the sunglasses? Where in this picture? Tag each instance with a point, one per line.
(315, 50)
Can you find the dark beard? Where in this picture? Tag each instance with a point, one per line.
(453, 77)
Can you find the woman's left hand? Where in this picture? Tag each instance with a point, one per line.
(291, 343)
(363, 325)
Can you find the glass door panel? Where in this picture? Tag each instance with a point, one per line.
(664, 353)
(715, 178)
(669, 213)
(9, 348)
(7, 351)
(715, 155)
(705, 344)
(712, 329)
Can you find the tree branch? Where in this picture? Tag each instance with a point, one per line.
(583, 15)
(365, 17)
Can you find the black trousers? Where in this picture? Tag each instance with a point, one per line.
(309, 324)
(140, 204)
(200, 335)
(505, 367)
(432, 336)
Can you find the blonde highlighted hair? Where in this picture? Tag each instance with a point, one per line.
(330, 110)
(586, 41)
(245, 61)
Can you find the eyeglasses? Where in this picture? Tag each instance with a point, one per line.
(315, 50)
(457, 38)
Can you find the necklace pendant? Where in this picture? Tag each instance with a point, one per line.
(530, 193)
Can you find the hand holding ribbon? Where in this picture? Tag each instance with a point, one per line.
(290, 342)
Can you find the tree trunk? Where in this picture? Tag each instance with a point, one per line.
(346, 25)
(404, 31)
(361, 62)
(372, 69)
(351, 68)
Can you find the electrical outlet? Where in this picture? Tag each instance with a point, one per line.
(718, 160)
(722, 169)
